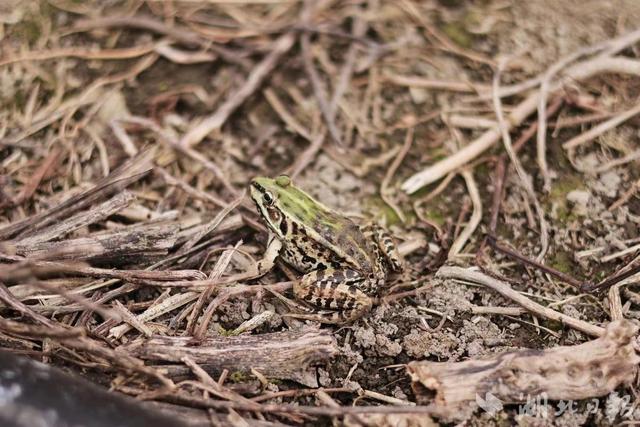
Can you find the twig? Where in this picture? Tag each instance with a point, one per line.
(181, 34)
(32, 184)
(75, 52)
(81, 219)
(385, 190)
(422, 82)
(277, 105)
(189, 189)
(601, 128)
(7, 298)
(617, 278)
(502, 311)
(506, 291)
(541, 148)
(579, 71)
(286, 355)
(169, 304)
(28, 268)
(215, 121)
(120, 178)
(131, 319)
(83, 302)
(220, 391)
(615, 303)
(318, 89)
(595, 368)
(217, 272)
(338, 411)
(625, 196)
(208, 228)
(72, 339)
(476, 215)
(549, 270)
(308, 154)
(525, 179)
(434, 33)
(631, 157)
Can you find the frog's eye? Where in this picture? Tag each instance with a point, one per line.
(268, 198)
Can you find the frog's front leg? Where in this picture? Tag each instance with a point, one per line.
(333, 291)
(274, 245)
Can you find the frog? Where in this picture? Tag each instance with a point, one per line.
(344, 264)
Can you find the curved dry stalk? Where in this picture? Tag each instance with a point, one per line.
(476, 215)
(525, 179)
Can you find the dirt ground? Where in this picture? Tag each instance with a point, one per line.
(351, 99)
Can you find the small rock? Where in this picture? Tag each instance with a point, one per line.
(418, 95)
(580, 201)
(608, 184)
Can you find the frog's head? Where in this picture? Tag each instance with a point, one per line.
(281, 203)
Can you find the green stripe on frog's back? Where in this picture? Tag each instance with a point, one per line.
(338, 233)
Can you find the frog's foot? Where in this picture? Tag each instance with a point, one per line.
(335, 291)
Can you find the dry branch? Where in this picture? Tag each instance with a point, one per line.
(127, 246)
(592, 369)
(283, 355)
(81, 219)
(128, 173)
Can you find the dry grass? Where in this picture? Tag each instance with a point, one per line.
(130, 130)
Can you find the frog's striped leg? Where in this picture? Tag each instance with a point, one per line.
(332, 290)
(386, 245)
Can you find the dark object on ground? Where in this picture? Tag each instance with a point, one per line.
(33, 394)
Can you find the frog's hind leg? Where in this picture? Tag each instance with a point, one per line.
(334, 293)
(386, 245)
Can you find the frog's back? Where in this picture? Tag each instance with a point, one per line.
(333, 239)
